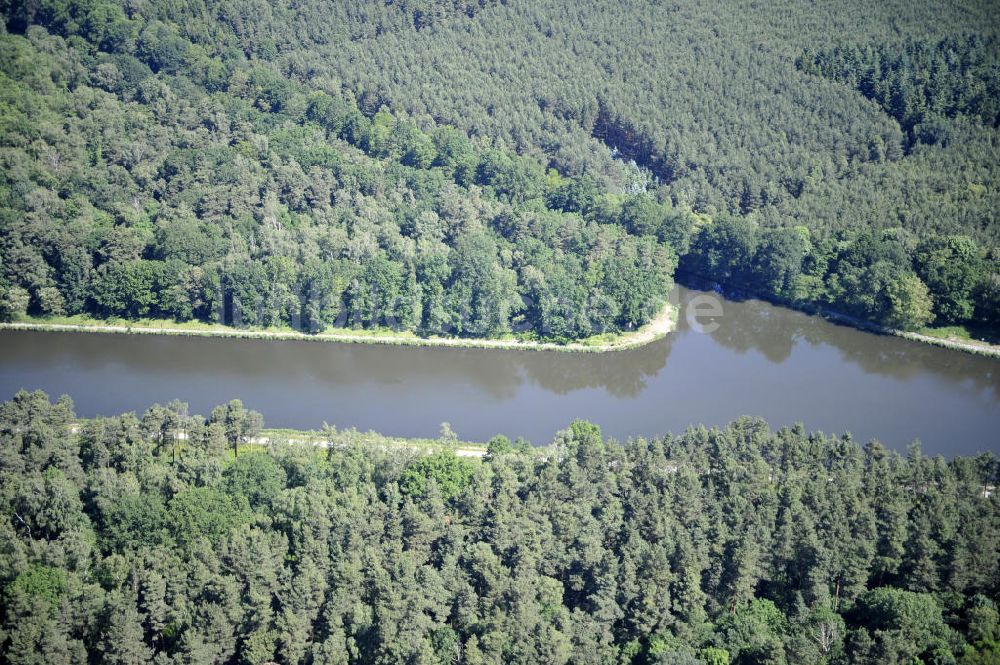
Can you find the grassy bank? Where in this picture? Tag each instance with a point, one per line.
(956, 338)
(662, 324)
(333, 438)
(367, 439)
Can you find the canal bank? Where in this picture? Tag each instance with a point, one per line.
(657, 328)
(760, 360)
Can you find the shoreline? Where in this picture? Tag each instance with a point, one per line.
(974, 347)
(661, 325)
(664, 323)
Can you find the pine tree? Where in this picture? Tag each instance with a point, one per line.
(122, 641)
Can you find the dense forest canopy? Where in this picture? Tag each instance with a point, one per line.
(481, 168)
(921, 83)
(123, 543)
(256, 200)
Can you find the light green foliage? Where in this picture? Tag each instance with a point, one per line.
(909, 303)
(499, 445)
(238, 423)
(449, 472)
(41, 582)
(984, 620)
(754, 634)
(13, 302)
(984, 633)
(984, 654)
(258, 648)
(816, 635)
(122, 640)
(714, 656)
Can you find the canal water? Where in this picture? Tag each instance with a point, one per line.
(752, 358)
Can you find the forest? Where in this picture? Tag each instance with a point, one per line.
(497, 168)
(526, 169)
(123, 542)
(126, 195)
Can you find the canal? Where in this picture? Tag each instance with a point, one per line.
(754, 359)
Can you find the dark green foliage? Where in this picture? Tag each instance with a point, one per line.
(875, 276)
(257, 477)
(205, 512)
(133, 521)
(918, 80)
(216, 186)
(904, 626)
(248, 165)
(721, 546)
(951, 267)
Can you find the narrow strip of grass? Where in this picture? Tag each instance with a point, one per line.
(956, 338)
(354, 437)
(947, 332)
(656, 329)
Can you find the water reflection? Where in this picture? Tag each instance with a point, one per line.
(775, 332)
(758, 360)
(500, 373)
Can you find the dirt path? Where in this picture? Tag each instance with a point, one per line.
(655, 329)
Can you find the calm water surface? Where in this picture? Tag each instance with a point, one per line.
(761, 360)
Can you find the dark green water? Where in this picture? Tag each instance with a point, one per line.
(761, 360)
